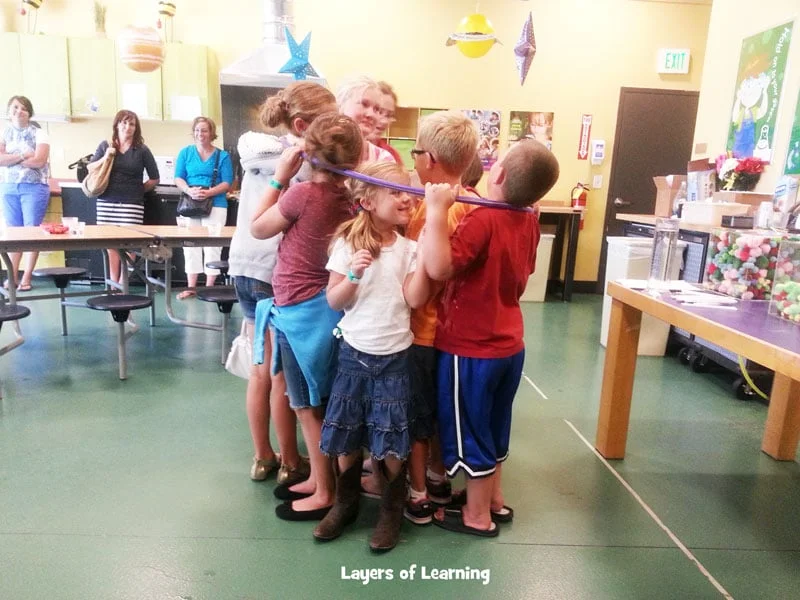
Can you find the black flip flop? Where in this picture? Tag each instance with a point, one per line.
(454, 521)
(504, 515)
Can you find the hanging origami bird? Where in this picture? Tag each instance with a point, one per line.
(474, 36)
(525, 49)
(298, 64)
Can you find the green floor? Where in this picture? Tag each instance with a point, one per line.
(139, 489)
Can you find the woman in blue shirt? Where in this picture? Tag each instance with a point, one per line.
(194, 174)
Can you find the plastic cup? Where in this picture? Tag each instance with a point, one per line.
(80, 228)
(214, 229)
(184, 221)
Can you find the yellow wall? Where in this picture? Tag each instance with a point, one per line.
(731, 22)
(588, 49)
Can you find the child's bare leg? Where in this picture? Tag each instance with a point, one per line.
(373, 482)
(321, 481)
(498, 501)
(476, 512)
(436, 464)
(283, 417)
(417, 464)
(348, 460)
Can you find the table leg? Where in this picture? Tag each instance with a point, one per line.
(572, 255)
(618, 372)
(782, 430)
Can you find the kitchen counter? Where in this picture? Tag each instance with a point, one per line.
(651, 220)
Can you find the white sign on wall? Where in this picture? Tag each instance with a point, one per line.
(673, 60)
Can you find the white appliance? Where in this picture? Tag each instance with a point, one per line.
(166, 170)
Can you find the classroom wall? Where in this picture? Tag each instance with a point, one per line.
(731, 22)
(587, 50)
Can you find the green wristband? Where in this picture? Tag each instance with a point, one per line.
(276, 184)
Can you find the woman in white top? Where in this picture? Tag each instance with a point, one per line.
(24, 174)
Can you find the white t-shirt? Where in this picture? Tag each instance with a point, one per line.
(379, 320)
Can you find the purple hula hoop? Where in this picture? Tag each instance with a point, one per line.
(411, 189)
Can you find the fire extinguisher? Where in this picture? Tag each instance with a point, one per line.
(580, 193)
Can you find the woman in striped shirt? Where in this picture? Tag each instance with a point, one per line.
(122, 203)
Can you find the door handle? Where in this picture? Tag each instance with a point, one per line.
(621, 202)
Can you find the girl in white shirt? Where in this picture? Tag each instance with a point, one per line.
(374, 278)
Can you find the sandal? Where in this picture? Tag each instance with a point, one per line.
(186, 294)
(504, 515)
(289, 476)
(454, 521)
(24, 287)
(262, 468)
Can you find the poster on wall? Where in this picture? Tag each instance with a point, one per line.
(532, 126)
(488, 124)
(793, 153)
(759, 82)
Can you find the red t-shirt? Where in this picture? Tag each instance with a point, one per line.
(315, 211)
(494, 253)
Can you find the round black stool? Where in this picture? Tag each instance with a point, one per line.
(222, 267)
(225, 297)
(12, 312)
(120, 307)
(61, 276)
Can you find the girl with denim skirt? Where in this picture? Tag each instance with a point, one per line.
(375, 279)
(308, 214)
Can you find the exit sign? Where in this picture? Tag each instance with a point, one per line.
(673, 60)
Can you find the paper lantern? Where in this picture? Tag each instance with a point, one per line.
(166, 9)
(474, 36)
(140, 48)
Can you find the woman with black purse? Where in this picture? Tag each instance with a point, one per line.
(204, 174)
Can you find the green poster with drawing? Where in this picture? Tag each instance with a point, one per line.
(758, 92)
(793, 153)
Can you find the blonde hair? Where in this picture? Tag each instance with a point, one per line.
(360, 232)
(451, 138)
(388, 90)
(531, 171)
(353, 85)
(299, 100)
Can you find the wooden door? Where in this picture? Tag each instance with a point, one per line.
(655, 129)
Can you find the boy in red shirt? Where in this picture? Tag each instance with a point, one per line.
(486, 264)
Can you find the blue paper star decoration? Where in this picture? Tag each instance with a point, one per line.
(298, 64)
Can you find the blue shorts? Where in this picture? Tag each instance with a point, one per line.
(296, 384)
(475, 398)
(422, 414)
(368, 407)
(249, 291)
(24, 204)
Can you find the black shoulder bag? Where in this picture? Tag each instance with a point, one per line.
(189, 207)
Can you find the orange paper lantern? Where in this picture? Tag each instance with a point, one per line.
(140, 48)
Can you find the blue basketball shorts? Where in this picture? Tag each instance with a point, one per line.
(475, 396)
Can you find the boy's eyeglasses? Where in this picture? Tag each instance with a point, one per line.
(415, 152)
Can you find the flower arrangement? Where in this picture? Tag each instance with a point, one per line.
(742, 265)
(741, 174)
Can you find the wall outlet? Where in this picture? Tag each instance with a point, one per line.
(597, 182)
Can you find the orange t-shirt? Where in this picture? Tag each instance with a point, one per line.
(423, 319)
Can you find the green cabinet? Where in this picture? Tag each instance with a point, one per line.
(92, 77)
(185, 81)
(36, 66)
(139, 92)
(11, 79)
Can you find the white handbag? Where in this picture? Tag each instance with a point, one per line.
(240, 358)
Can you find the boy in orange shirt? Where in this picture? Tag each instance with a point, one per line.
(446, 143)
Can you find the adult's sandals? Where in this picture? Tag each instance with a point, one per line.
(186, 294)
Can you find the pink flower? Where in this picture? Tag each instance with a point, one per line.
(747, 296)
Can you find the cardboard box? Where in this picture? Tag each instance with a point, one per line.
(666, 189)
(752, 199)
(701, 180)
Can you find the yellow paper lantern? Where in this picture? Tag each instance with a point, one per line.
(140, 48)
(474, 36)
(166, 8)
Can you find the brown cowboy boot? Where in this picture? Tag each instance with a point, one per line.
(390, 518)
(345, 508)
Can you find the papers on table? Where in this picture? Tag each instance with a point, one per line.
(675, 285)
